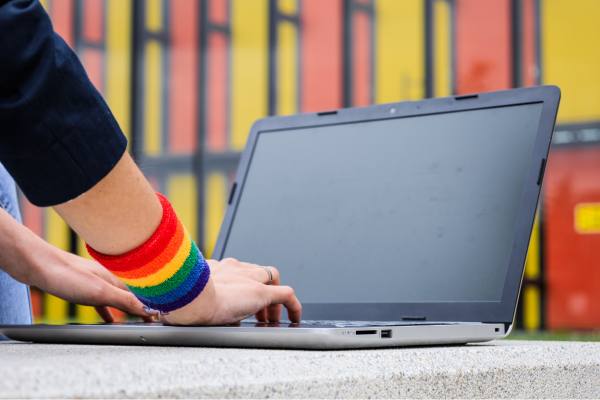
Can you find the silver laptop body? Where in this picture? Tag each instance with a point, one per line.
(398, 224)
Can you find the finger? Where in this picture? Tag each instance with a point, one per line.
(105, 314)
(272, 277)
(261, 316)
(105, 274)
(111, 279)
(274, 310)
(148, 319)
(117, 282)
(266, 275)
(285, 295)
(127, 302)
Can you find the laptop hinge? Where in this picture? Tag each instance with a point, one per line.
(467, 97)
(413, 318)
(323, 113)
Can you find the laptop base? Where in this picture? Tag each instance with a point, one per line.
(258, 335)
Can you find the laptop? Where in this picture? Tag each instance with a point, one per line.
(398, 224)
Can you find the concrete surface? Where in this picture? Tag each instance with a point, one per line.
(499, 369)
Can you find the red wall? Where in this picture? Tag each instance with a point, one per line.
(572, 259)
(483, 60)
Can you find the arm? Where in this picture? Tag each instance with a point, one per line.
(58, 137)
(63, 146)
(29, 259)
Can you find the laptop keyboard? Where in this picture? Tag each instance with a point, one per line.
(352, 324)
(304, 324)
(337, 323)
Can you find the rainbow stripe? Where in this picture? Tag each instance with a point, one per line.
(167, 271)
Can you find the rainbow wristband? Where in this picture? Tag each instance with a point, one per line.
(167, 271)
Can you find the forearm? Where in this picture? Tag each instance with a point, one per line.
(118, 214)
(23, 253)
(140, 239)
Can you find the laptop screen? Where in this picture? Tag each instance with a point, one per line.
(406, 210)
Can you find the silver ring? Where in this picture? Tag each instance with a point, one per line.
(268, 269)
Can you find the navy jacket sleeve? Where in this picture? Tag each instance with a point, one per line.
(58, 137)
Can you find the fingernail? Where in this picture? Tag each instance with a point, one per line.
(150, 311)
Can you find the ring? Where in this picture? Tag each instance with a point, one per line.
(270, 275)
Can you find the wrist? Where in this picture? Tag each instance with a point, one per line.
(200, 311)
(168, 271)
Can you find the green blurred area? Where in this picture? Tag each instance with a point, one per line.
(578, 336)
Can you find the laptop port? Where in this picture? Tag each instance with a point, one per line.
(386, 333)
(366, 332)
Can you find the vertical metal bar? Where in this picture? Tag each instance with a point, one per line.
(77, 29)
(347, 70)
(166, 81)
(136, 76)
(429, 48)
(453, 54)
(538, 41)
(299, 81)
(516, 42)
(198, 157)
(228, 83)
(541, 216)
(372, 51)
(104, 71)
(272, 62)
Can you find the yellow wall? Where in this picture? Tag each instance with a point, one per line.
(571, 57)
(442, 57)
(399, 46)
(153, 81)
(249, 67)
(118, 61)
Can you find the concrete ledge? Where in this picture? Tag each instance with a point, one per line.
(499, 369)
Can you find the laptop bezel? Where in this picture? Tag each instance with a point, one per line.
(492, 312)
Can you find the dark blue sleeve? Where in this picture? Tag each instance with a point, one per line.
(58, 137)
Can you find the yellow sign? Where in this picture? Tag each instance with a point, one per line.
(587, 218)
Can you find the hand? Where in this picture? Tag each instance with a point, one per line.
(235, 291)
(31, 260)
(82, 281)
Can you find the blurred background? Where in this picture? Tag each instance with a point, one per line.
(186, 79)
